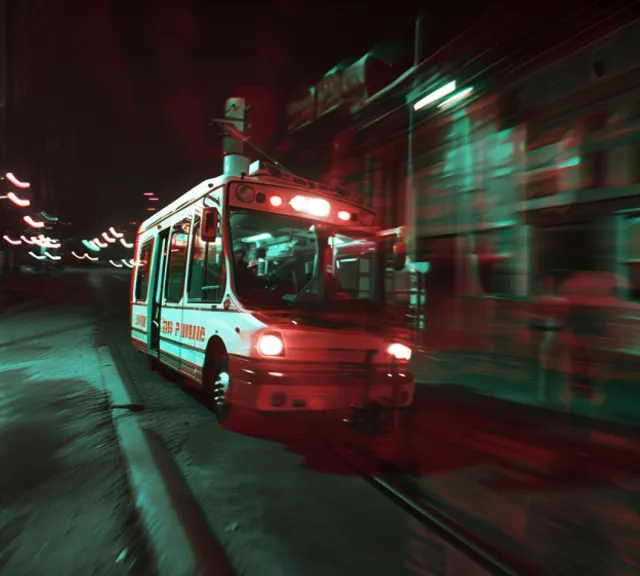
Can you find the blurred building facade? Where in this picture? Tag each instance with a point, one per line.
(356, 127)
(523, 187)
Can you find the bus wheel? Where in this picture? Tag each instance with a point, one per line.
(217, 390)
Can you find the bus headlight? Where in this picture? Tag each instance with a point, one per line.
(270, 345)
(399, 351)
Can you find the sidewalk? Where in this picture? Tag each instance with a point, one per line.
(580, 417)
(65, 506)
(20, 292)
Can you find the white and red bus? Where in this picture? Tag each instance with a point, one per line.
(268, 291)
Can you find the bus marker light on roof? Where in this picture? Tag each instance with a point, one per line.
(275, 201)
(245, 193)
(344, 215)
(312, 206)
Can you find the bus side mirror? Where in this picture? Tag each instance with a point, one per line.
(209, 225)
(399, 255)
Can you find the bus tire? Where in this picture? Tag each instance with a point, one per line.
(216, 388)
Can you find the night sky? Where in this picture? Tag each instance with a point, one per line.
(132, 85)
(135, 83)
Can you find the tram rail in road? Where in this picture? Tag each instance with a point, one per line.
(448, 529)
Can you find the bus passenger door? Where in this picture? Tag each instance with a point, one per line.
(172, 301)
(155, 293)
(206, 286)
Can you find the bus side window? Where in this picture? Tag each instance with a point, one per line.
(142, 272)
(207, 277)
(355, 276)
(177, 264)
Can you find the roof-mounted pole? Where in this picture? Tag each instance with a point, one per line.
(234, 162)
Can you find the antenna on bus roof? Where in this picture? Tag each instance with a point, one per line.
(234, 124)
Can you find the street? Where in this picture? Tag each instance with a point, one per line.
(65, 506)
(283, 495)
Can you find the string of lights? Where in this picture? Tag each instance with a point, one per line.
(50, 248)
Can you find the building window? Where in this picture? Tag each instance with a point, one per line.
(142, 272)
(495, 262)
(207, 270)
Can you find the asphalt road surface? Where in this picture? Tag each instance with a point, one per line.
(283, 499)
(286, 505)
(535, 486)
(65, 506)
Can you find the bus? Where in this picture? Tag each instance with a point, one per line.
(268, 291)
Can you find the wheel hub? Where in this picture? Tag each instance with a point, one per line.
(220, 388)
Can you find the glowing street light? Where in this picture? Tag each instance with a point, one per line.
(15, 199)
(90, 245)
(435, 95)
(456, 98)
(33, 223)
(17, 182)
(11, 241)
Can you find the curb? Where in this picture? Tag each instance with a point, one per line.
(180, 540)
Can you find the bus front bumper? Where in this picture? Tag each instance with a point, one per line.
(268, 385)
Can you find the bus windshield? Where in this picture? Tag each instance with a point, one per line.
(282, 261)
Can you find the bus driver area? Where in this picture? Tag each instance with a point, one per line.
(321, 350)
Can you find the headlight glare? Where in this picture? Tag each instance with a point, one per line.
(399, 351)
